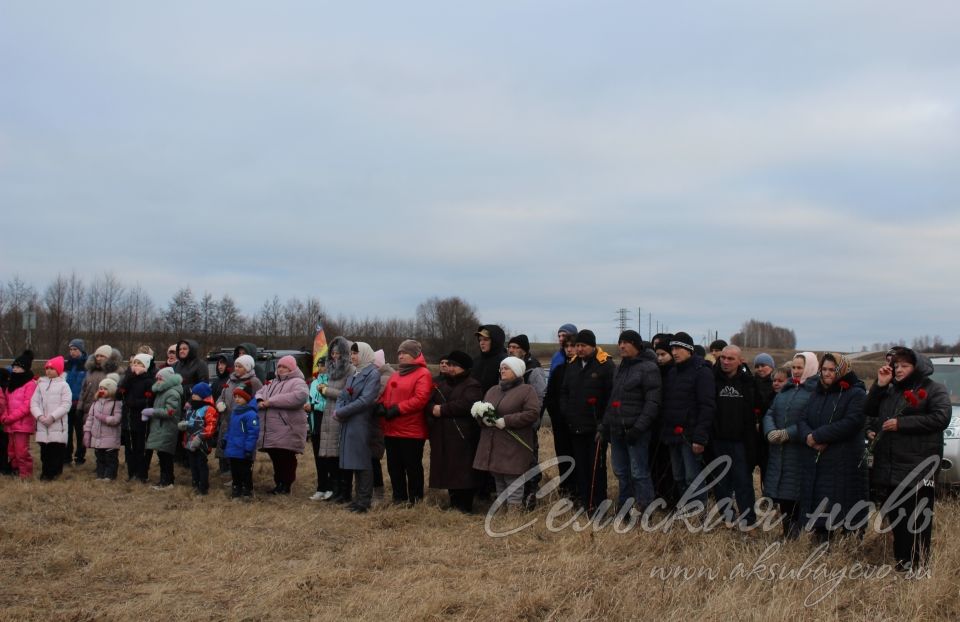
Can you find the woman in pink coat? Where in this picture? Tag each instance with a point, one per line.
(50, 406)
(283, 422)
(18, 423)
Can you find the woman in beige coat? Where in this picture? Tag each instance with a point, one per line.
(507, 436)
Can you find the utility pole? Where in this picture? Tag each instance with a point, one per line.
(623, 318)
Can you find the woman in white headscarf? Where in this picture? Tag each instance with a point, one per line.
(354, 411)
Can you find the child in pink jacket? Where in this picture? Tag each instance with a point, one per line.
(101, 430)
(50, 406)
(18, 423)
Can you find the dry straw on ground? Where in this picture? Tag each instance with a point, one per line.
(78, 549)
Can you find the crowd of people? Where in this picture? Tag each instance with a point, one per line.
(823, 443)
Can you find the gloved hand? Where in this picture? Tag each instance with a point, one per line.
(194, 443)
(633, 435)
(379, 410)
(784, 436)
(500, 423)
(146, 413)
(221, 406)
(393, 411)
(182, 425)
(86, 439)
(487, 421)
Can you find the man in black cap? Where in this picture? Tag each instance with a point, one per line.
(689, 404)
(630, 416)
(586, 391)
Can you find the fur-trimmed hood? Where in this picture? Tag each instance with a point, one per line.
(111, 365)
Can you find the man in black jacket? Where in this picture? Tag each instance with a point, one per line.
(586, 390)
(689, 404)
(734, 428)
(627, 423)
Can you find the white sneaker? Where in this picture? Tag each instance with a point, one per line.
(162, 486)
(317, 496)
(327, 495)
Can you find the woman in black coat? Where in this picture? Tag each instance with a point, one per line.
(833, 478)
(907, 413)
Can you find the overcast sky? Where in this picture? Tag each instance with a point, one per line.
(547, 161)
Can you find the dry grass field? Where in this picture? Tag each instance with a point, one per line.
(78, 549)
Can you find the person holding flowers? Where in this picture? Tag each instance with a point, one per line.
(833, 480)
(907, 413)
(507, 415)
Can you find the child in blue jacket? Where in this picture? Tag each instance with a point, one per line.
(240, 441)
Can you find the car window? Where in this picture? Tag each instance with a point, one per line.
(949, 375)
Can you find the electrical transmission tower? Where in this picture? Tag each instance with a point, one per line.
(623, 319)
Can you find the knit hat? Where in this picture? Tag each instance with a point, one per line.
(718, 344)
(631, 337)
(246, 361)
(143, 359)
(287, 361)
(109, 384)
(662, 341)
(78, 344)
(682, 340)
(411, 347)
(24, 361)
(587, 337)
(106, 351)
(763, 359)
(522, 341)
(460, 358)
(202, 390)
(56, 363)
(165, 373)
(517, 366)
(244, 390)
(570, 329)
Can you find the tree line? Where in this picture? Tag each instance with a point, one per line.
(106, 310)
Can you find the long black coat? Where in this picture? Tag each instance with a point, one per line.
(920, 427)
(586, 391)
(454, 434)
(834, 416)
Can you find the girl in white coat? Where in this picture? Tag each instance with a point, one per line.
(50, 405)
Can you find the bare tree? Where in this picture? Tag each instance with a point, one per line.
(182, 314)
(757, 334)
(446, 324)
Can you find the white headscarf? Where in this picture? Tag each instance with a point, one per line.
(365, 355)
(811, 366)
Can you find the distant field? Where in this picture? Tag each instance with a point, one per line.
(77, 549)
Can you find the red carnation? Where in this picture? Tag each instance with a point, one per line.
(922, 394)
(844, 385)
(592, 401)
(795, 380)
(148, 394)
(394, 384)
(350, 390)
(910, 397)
(677, 431)
(616, 404)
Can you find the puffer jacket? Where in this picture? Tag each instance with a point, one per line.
(920, 427)
(835, 417)
(18, 417)
(167, 411)
(499, 451)
(136, 394)
(635, 395)
(240, 438)
(225, 404)
(587, 383)
(192, 368)
(782, 478)
(317, 404)
(91, 383)
(52, 398)
(410, 392)
(103, 423)
(689, 403)
(283, 422)
(201, 424)
(75, 370)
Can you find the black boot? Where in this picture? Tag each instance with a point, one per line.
(236, 492)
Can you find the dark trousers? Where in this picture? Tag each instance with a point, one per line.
(563, 446)
(5, 466)
(108, 463)
(737, 484)
(405, 466)
(591, 482)
(135, 453)
(75, 429)
(328, 469)
(462, 500)
(51, 459)
(242, 472)
(790, 510)
(166, 468)
(910, 542)
(284, 465)
(377, 472)
(199, 470)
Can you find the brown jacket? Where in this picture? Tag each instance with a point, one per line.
(499, 452)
